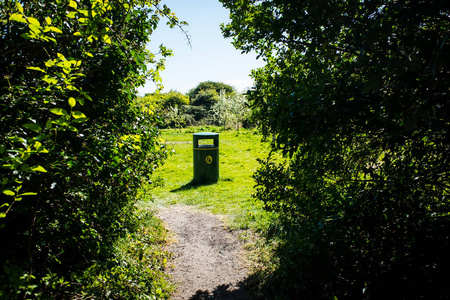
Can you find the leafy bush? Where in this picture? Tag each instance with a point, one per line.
(206, 99)
(209, 85)
(198, 113)
(212, 103)
(137, 270)
(354, 238)
(177, 117)
(159, 101)
(206, 94)
(175, 99)
(355, 94)
(73, 148)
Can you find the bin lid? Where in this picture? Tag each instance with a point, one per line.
(206, 134)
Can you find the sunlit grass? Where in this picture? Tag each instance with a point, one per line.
(231, 195)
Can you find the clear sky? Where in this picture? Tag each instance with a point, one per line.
(211, 58)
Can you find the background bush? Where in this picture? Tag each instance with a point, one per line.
(209, 103)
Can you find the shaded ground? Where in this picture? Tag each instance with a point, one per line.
(208, 261)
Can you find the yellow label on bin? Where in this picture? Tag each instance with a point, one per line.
(209, 159)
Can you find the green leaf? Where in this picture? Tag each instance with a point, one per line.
(2, 149)
(86, 95)
(78, 114)
(19, 6)
(72, 14)
(41, 137)
(48, 124)
(59, 111)
(72, 102)
(73, 4)
(2, 215)
(107, 39)
(26, 36)
(32, 126)
(60, 56)
(61, 121)
(33, 21)
(8, 193)
(17, 139)
(55, 29)
(28, 194)
(47, 38)
(38, 169)
(71, 88)
(48, 20)
(35, 29)
(80, 120)
(18, 18)
(36, 69)
(85, 12)
(50, 80)
(64, 64)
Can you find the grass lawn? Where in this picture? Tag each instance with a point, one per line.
(231, 195)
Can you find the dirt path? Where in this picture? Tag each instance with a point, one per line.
(208, 259)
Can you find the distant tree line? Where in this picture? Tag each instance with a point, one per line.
(209, 103)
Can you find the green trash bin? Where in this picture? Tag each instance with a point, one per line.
(206, 157)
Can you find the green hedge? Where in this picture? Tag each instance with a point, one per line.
(74, 149)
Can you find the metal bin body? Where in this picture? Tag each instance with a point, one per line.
(206, 158)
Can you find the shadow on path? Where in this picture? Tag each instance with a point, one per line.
(223, 292)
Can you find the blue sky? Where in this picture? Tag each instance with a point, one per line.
(212, 57)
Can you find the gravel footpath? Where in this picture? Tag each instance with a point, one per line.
(207, 259)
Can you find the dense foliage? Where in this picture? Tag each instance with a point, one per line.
(356, 95)
(73, 149)
(209, 85)
(206, 93)
(159, 101)
(209, 103)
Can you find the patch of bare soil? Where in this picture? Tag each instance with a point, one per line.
(208, 261)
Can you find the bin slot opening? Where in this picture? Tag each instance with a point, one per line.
(206, 142)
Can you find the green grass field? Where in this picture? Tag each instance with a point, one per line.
(231, 195)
